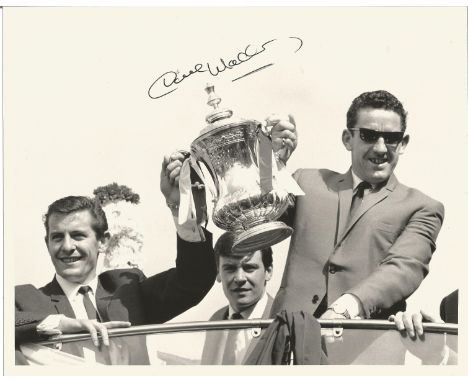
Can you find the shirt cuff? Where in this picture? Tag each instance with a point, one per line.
(49, 326)
(350, 303)
(190, 232)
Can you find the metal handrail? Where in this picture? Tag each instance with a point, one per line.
(244, 324)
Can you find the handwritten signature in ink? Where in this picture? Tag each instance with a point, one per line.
(166, 82)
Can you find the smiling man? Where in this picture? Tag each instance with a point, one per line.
(244, 277)
(78, 299)
(73, 248)
(362, 241)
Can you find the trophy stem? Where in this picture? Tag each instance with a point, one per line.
(261, 236)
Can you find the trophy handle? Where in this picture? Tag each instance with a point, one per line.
(264, 162)
(197, 176)
(263, 128)
(196, 173)
(199, 193)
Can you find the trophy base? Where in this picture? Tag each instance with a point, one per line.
(261, 236)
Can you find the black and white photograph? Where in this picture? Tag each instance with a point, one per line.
(188, 189)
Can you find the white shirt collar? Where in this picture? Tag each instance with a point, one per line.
(71, 289)
(357, 180)
(254, 311)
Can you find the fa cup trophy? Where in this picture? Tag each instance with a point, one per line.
(251, 193)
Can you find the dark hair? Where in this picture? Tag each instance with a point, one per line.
(378, 99)
(71, 204)
(223, 248)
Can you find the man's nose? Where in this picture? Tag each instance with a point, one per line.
(380, 145)
(239, 277)
(68, 244)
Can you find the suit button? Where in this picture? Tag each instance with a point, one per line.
(332, 269)
(315, 299)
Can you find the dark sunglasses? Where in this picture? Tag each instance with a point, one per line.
(372, 136)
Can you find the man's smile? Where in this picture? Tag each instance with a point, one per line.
(71, 259)
(241, 290)
(378, 161)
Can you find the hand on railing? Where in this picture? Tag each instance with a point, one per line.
(73, 325)
(412, 322)
(410, 325)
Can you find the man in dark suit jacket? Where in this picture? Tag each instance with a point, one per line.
(364, 261)
(449, 308)
(123, 295)
(243, 277)
(76, 231)
(126, 294)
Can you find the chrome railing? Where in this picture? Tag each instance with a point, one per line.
(195, 326)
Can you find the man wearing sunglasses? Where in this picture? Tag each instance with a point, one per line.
(362, 241)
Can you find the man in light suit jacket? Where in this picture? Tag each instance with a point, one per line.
(364, 261)
(244, 277)
(76, 232)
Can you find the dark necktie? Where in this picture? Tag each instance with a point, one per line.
(229, 357)
(90, 309)
(357, 198)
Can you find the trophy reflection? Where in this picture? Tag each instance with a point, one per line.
(249, 198)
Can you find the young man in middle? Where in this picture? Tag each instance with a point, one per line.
(244, 277)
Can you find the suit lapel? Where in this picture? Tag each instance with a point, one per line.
(345, 196)
(266, 312)
(218, 346)
(370, 201)
(62, 305)
(58, 299)
(225, 315)
(103, 300)
(265, 315)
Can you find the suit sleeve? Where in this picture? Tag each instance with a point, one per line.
(406, 264)
(25, 326)
(289, 214)
(26, 321)
(172, 292)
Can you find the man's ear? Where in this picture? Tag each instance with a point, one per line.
(268, 273)
(103, 241)
(403, 144)
(46, 242)
(346, 137)
(218, 277)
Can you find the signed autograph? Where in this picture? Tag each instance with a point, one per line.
(166, 82)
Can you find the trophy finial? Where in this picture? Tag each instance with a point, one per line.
(214, 101)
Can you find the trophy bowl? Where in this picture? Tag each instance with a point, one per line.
(228, 148)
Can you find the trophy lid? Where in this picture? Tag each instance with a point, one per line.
(214, 101)
(220, 117)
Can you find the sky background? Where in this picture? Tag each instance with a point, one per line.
(77, 114)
